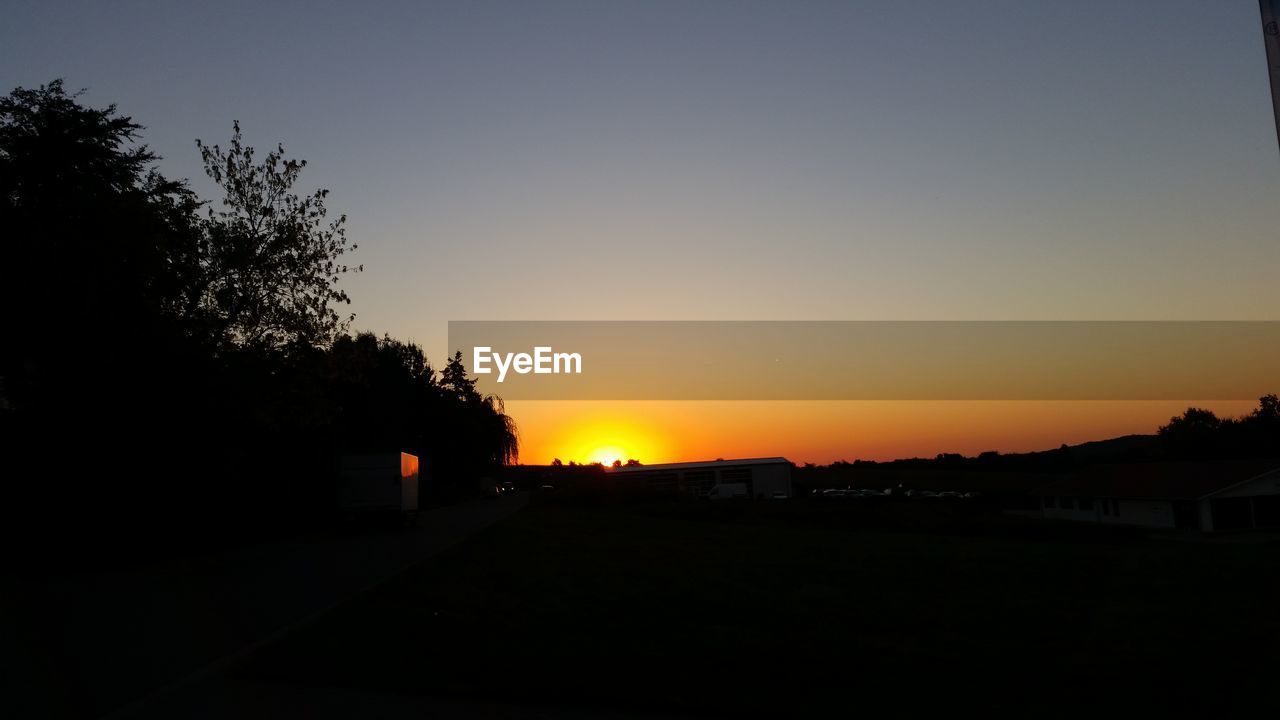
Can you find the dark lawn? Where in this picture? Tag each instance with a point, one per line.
(750, 606)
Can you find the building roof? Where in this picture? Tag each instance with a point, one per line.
(702, 464)
(1158, 481)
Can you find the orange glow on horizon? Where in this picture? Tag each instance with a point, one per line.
(824, 431)
(608, 455)
(601, 435)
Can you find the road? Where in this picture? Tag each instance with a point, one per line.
(123, 640)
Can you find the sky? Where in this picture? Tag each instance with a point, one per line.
(706, 160)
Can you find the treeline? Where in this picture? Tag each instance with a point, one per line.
(1199, 434)
(174, 367)
(1196, 434)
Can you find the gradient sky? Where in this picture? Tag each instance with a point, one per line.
(735, 160)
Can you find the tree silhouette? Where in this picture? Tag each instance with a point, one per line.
(98, 246)
(96, 362)
(1199, 433)
(455, 381)
(195, 358)
(1194, 433)
(270, 264)
(1268, 409)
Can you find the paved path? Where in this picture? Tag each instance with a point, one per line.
(123, 639)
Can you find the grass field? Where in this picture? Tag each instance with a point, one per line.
(799, 606)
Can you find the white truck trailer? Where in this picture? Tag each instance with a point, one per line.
(380, 484)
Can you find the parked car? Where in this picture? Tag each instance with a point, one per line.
(546, 488)
(779, 495)
(492, 491)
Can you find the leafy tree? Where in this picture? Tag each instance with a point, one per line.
(1194, 433)
(1193, 419)
(270, 263)
(1268, 409)
(1199, 433)
(498, 431)
(199, 350)
(455, 381)
(383, 393)
(386, 394)
(97, 242)
(96, 362)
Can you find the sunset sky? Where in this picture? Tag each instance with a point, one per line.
(705, 160)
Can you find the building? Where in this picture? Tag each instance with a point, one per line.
(1205, 496)
(764, 477)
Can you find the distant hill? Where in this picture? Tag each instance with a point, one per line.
(1123, 449)
(1126, 448)
(989, 473)
(1119, 449)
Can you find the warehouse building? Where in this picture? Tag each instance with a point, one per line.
(763, 477)
(1204, 496)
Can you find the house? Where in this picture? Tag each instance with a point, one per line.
(1205, 496)
(763, 477)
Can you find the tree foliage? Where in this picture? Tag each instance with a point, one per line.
(97, 243)
(454, 380)
(269, 268)
(1200, 434)
(194, 354)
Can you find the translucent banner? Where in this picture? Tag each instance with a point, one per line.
(869, 360)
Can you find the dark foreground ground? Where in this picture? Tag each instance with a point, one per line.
(83, 643)
(803, 607)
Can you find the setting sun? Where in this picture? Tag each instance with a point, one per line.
(607, 455)
(598, 432)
